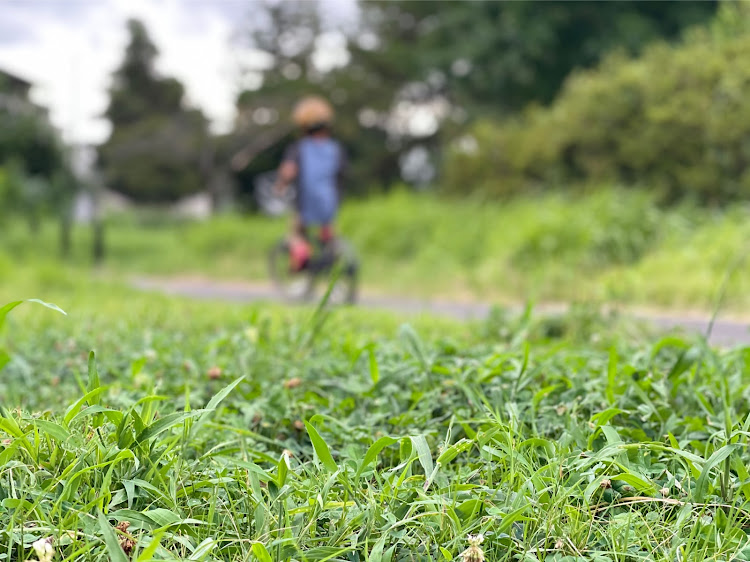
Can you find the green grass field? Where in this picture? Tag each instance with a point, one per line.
(608, 246)
(211, 431)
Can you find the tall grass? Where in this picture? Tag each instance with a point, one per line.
(611, 244)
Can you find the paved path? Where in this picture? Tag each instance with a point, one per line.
(725, 332)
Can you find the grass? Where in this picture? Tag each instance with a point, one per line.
(609, 246)
(208, 431)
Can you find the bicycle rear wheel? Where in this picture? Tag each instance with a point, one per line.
(292, 285)
(344, 273)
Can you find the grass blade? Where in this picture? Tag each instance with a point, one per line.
(321, 448)
(116, 554)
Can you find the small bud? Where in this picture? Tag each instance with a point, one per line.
(292, 383)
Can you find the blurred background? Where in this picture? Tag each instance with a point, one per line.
(560, 151)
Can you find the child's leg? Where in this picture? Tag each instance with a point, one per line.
(299, 247)
(326, 233)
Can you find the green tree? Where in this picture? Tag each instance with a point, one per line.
(36, 179)
(494, 57)
(155, 151)
(674, 119)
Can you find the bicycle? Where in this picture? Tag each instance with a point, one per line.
(335, 261)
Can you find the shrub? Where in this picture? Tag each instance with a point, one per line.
(675, 119)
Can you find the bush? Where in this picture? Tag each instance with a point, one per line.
(675, 119)
(605, 229)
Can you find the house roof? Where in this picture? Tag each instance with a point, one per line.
(15, 79)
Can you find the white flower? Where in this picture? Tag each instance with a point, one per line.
(44, 549)
(474, 553)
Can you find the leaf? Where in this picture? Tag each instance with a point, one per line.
(261, 553)
(687, 358)
(137, 365)
(413, 344)
(9, 426)
(611, 375)
(374, 369)
(637, 482)
(223, 393)
(93, 377)
(249, 466)
(165, 423)
(543, 392)
(214, 403)
(114, 549)
(6, 309)
(321, 449)
(376, 554)
(325, 553)
(510, 518)
(668, 341)
(423, 453)
(4, 358)
(593, 486)
(162, 517)
(454, 450)
(48, 305)
(57, 432)
(203, 549)
(148, 553)
(88, 398)
(610, 433)
(603, 417)
(373, 450)
(718, 456)
(282, 470)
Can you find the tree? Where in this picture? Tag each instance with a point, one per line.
(35, 179)
(497, 57)
(659, 120)
(154, 152)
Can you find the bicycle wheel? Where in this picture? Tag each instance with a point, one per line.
(292, 285)
(344, 271)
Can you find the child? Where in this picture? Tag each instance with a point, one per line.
(316, 161)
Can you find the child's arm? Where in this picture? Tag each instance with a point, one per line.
(288, 169)
(287, 174)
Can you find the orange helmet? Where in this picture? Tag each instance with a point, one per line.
(312, 112)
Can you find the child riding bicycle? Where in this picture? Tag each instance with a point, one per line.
(316, 161)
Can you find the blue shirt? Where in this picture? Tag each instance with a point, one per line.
(319, 163)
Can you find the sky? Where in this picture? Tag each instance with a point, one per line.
(69, 48)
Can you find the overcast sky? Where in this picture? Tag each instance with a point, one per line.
(69, 49)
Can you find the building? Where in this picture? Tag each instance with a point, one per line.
(15, 95)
